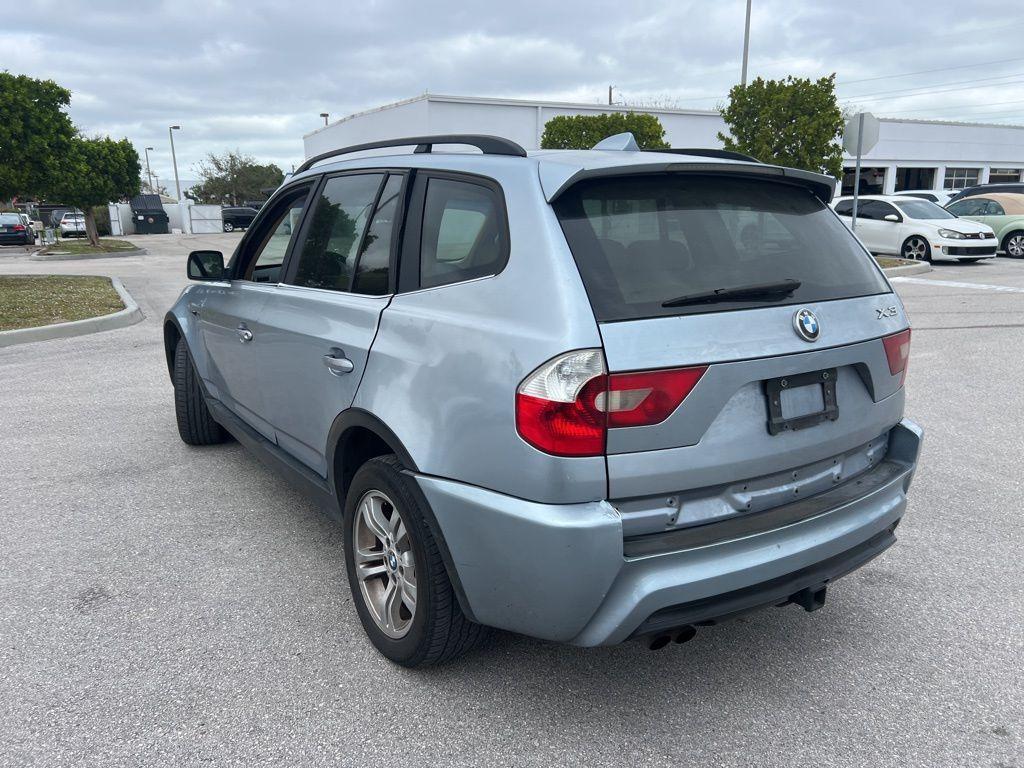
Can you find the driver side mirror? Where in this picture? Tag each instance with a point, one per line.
(206, 265)
(891, 217)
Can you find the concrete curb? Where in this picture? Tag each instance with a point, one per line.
(77, 256)
(130, 315)
(910, 269)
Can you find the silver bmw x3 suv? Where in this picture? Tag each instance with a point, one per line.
(580, 395)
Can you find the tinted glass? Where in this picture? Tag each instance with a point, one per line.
(10, 218)
(972, 206)
(992, 208)
(279, 233)
(374, 263)
(845, 208)
(922, 209)
(640, 241)
(463, 234)
(336, 228)
(873, 210)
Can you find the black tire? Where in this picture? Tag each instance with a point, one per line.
(229, 227)
(195, 424)
(916, 247)
(1014, 242)
(439, 631)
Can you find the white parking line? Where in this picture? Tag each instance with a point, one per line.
(955, 284)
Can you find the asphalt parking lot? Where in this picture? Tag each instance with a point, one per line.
(166, 605)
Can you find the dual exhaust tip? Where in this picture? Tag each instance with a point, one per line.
(810, 599)
(679, 636)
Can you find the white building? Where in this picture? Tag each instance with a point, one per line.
(910, 154)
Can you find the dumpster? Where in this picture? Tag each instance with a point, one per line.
(149, 215)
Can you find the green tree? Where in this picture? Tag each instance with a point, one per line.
(96, 171)
(35, 132)
(794, 122)
(233, 178)
(584, 131)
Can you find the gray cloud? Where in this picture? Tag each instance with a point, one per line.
(255, 75)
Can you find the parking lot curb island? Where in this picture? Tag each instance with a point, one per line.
(130, 315)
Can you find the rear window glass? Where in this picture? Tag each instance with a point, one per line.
(10, 218)
(643, 240)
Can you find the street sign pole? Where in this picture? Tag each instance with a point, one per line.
(856, 175)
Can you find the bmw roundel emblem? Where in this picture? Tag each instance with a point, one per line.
(806, 325)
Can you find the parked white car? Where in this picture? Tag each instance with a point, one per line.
(937, 196)
(72, 225)
(916, 229)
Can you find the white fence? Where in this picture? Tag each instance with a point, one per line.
(206, 219)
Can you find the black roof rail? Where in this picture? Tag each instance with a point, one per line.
(723, 154)
(489, 145)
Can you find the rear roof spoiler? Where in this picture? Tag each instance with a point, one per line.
(556, 178)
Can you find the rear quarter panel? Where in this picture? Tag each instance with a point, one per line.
(447, 361)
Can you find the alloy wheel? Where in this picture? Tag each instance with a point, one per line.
(915, 248)
(1015, 246)
(384, 564)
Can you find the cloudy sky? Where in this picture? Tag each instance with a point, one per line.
(255, 76)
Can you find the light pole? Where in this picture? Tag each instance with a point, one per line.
(746, 46)
(149, 173)
(325, 115)
(174, 160)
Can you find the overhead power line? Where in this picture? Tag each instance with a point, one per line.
(929, 88)
(926, 71)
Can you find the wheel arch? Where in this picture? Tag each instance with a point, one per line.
(172, 332)
(910, 236)
(355, 437)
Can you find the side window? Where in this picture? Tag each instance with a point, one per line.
(273, 238)
(971, 207)
(870, 209)
(373, 266)
(845, 208)
(463, 234)
(992, 208)
(885, 209)
(328, 256)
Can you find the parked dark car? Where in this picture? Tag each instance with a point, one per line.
(984, 189)
(14, 231)
(238, 218)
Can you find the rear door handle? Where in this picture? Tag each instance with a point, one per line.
(337, 363)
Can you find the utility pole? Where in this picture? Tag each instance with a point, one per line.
(610, 94)
(325, 115)
(174, 160)
(746, 46)
(149, 173)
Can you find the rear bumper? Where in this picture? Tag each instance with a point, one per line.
(565, 572)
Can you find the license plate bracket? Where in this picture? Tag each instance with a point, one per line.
(777, 422)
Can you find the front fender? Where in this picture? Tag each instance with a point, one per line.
(179, 322)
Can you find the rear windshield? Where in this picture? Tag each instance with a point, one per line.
(10, 218)
(643, 240)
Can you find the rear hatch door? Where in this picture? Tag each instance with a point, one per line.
(759, 282)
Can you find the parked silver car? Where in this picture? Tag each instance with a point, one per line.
(581, 395)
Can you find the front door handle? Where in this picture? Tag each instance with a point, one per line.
(244, 334)
(337, 363)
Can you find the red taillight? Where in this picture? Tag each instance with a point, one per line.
(19, 227)
(566, 406)
(647, 397)
(897, 352)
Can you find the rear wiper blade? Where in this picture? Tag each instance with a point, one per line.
(736, 293)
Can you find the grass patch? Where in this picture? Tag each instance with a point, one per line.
(887, 263)
(83, 246)
(29, 301)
